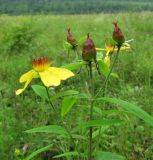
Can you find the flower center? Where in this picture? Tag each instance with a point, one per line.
(40, 64)
(110, 48)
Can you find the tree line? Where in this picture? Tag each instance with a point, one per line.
(18, 7)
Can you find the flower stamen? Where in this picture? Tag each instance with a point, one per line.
(40, 64)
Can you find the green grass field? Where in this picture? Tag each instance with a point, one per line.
(23, 38)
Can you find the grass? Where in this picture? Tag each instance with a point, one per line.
(43, 36)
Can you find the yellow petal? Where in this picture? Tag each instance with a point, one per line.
(61, 73)
(100, 49)
(107, 60)
(107, 53)
(27, 76)
(28, 79)
(49, 78)
(124, 48)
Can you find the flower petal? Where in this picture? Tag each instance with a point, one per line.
(100, 49)
(107, 60)
(28, 80)
(61, 73)
(124, 48)
(19, 91)
(25, 77)
(49, 78)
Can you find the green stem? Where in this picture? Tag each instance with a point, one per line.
(59, 117)
(108, 76)
(77, 53)
(50, 102)
(91, 111)
(104, 88)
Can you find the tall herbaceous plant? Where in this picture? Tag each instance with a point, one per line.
(79, 136)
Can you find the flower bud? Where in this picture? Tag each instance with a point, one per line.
(71, 39)
(88, 50)
(118, 35)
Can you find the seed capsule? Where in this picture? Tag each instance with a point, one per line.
(71, 39)
(88, 50)
(118, 35)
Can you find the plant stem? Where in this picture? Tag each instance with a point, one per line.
(104, 88)
(60, 119)
(50, 102)
(108, 76)
(91, 110)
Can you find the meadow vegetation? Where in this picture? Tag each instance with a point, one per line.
(23, 38)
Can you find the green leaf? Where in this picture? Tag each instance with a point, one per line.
(103, 67)
(81, 137)
(67, 104)
(99, 122)
(110, 41)
(99, 55)
(135, 110)
(67, 154)
(35, 153)
(115, 75)
(84, 96)
(82, 40)
(40, 91)
(74, 66)
(64, 93)
(55, 129)
(108, 156)
(67, 46)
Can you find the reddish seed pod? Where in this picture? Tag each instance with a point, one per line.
(88, 50)
(71, 39)
(118, 35)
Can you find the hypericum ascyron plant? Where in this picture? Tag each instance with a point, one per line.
(70, 137)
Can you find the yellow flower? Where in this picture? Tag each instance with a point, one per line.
(50, 76)
(111, 49)
(107, 60)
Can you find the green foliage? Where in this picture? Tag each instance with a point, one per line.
(35, 153)
(67, 104)
(19, 39)
(72, 6)
(133, 109)
(133, 139)
(55, 129)
(67, 46)
(99, 122)
(63, 94)
(40, 91)
(104, 68)
(74, 66)
(68, 154)
(108, 156)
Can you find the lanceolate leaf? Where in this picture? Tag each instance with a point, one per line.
(35, 153)
(103, 67)
(67, 46)
(40, 91)
(67, 104)
(99, 122)
(74, 66)
(82, 40)
(55, 129)
(64, 93)
(67, 154)
(108, 156)
(135, 110)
